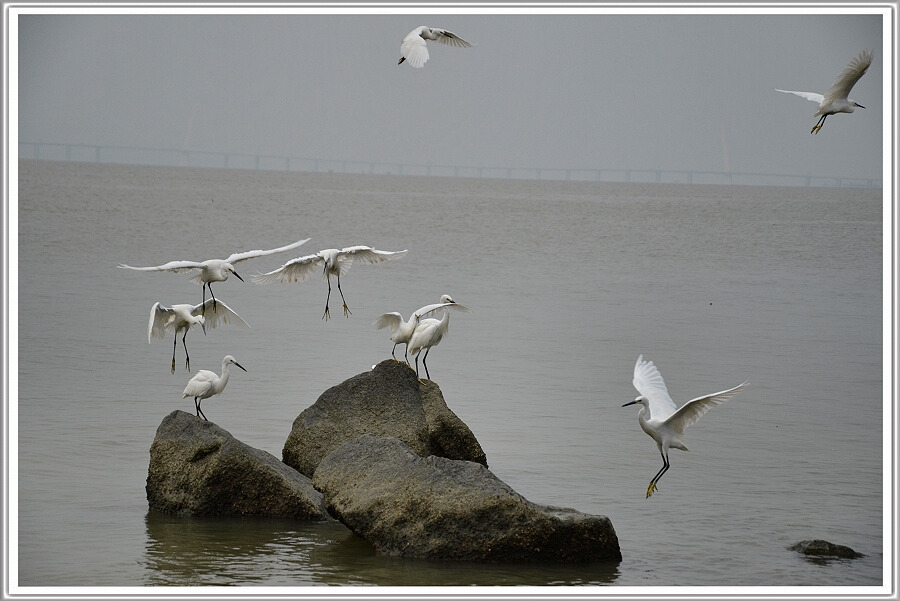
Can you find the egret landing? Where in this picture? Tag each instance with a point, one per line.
(214, 270)
(334, 263)
(660, 419)
(206, 384)
(178, 318)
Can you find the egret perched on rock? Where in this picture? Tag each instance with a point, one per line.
(835, 99)
(414, 49)
(178, 318)
(206, 384)
(401, 331)
(428, 333)
(214, 270)
(658, 416)
(334, 263)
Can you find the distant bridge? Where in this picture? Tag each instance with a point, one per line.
(60, 151)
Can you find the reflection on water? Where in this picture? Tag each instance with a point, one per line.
(191, 551)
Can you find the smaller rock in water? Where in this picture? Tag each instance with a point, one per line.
(438, 508)
(824, 549)
(197, 468)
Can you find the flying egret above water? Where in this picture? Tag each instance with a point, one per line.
(334, 263)
(214, 270)
(660, 419)
(178, 318)
(207, 383)
(401, 331)
(835, 99)
(414, 49)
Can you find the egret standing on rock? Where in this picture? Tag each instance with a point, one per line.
(401, 331)
(179, 318)
(428, 333)
(835, 99)
(413, 47)
(214, 270)
(658, 416)
(334, 262)
(206, 384)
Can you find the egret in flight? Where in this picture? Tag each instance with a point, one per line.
(835, 99)
(206, 384)
(214, 270)
(334, 262)
(660, 419)
(178, 318)
(401, 331)
(414, 50)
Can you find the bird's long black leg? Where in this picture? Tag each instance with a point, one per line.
(427, 375)
(392, 351)
(174, 347)
(346, 308)
(417, 365)
(652, 487)
(327, 313)
(818, 125)
(212, 295)
(197, 406)
(406, 352)
(187, 358)
(203, 300)
(201, 411)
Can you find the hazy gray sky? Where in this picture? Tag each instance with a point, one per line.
(643, 91)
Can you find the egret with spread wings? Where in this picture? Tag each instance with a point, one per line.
(659, 417)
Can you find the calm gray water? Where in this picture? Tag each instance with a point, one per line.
(568, 282)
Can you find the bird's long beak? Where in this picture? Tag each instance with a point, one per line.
(203, 327)
(629, 403)
(860, 106)
(236, 275)
(238, 364)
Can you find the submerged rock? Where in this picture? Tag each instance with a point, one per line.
(440, 508)
(823, 548)
(389, 400)
(198, 468)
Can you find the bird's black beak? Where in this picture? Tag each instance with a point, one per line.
(860, 106)
(629, 403)
(236, 363)
(236, 275)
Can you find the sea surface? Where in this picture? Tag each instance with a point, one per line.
(568, 283)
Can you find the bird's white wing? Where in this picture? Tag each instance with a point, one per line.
(848, 77)
(252, 254)
(199, 384)
(414, 50)
(429, 309)
(176, 266)
(450, 38)
(364, 254)
(694, 409)
(649, 382)
(295, 270)
(817, 98)
(217, 311)
(160, 317)
(391, 320)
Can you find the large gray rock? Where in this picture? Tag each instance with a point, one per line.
(439, 508)
(198, 468)
(389, 400)
(823, 548)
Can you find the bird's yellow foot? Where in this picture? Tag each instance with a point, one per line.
(187, 365)
(327, 314)
(173, 366)
(651, 489)
(346, 310)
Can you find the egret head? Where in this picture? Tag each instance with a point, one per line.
(202, 321)
(446, 299)
(640, 399)
(229, 359)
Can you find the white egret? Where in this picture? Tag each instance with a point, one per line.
(660, 419)
(207, 383)
(414, 50)
(835, 99)
(178, 318)
(401, 331)
(214, 270)
(428, 333)
(334, 262)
